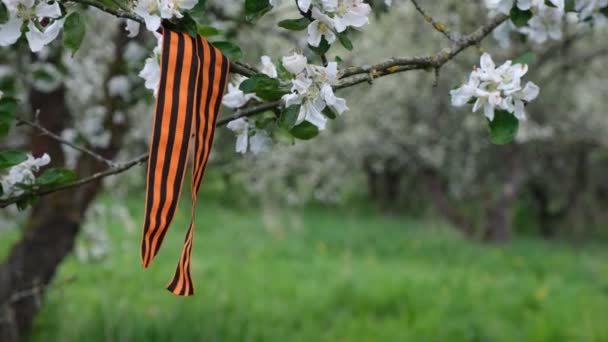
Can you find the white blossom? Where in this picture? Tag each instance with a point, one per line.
(546, 22)
(240, 127)
(268, 68)
(152, 11)
(259, 142)
(151, 74)
(149, 11)
(172, 8)
(312, 90)
(295, 63)
(304, 5)
(151, 71)
(132, 28)
(243, 128)
(320, 27)
(493, 87)
(349, 13)
(21, 174)
(235, 97)
(32, 13)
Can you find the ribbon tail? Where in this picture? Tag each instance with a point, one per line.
(213, 76)
(170, 145)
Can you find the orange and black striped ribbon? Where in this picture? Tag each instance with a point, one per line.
(193, 77)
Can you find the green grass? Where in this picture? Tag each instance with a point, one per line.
(330, 275)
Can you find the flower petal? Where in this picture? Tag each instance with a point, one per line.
(10, 31)
(38, 39)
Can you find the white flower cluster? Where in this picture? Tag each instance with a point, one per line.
(549, 17)
(21, 174)
(312, 90)
(151, 71)
(42, 19)
(493, 87)
(152, 11)
(236, 98)
(332, 16)
(243, 128)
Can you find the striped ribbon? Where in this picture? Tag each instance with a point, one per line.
(193, 77)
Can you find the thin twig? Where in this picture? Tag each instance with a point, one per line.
(439, 26)
(35, 290)
(394, 65)
(124, 166)
(59, 139)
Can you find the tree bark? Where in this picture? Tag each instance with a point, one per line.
(55, 220)
(440, 198)
(499, 215)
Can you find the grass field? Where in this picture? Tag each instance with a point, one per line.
(330, 275)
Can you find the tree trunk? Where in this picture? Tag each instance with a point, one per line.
(374, 187)
(549, 218)
(55, 219)
(392, 183)
(440, 198)
(499, 216)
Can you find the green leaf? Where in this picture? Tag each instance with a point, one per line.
(73, 31)
(208, 31)
(232, 51)
(26, 202)
(3, 13)
(570, 5)
(256, 8)
(263, 86)
(289, 116)
(322, 48)
(8, 109)
(526, 58)
(283, 73)
(329, 113)
(295, 24)
(264, 119)
(9, 105)
(345, 41)
(55, 176)
(199, 10)
(282, 135)
(11, 158)
(5, 123)
(305, 131)
(520, 18)
(604, 11)
(186, 24)
(503, 128)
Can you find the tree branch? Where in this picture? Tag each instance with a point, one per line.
(350, 77)
(435, 61)
(117, 168)
(439, 26)
(45, 131)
